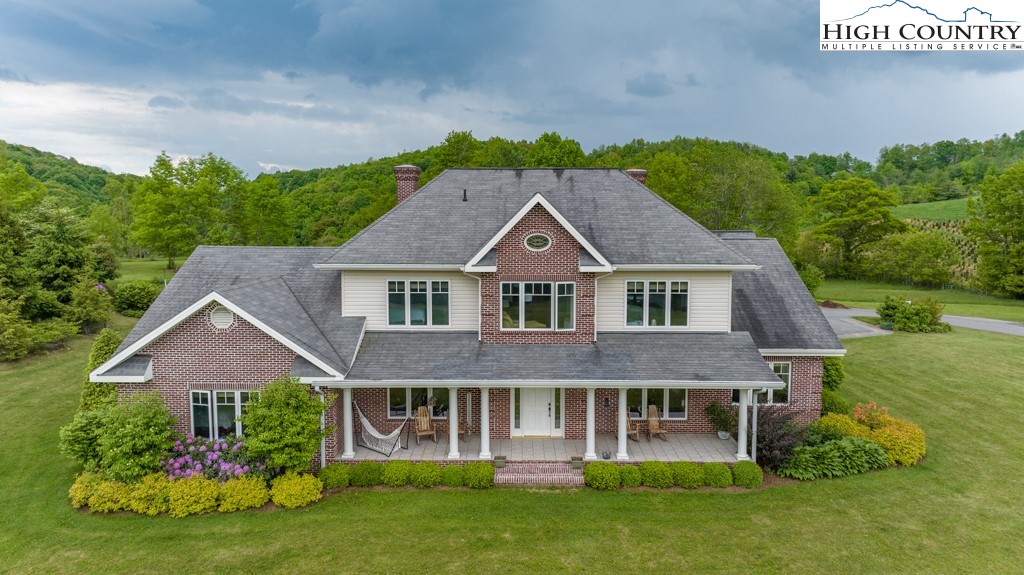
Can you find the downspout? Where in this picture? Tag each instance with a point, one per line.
(479, 302)
(323, 424)
(595, 300)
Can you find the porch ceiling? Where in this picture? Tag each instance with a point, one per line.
(693, 360)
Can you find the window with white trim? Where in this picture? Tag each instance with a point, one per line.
(418, 303)
(657, 303)
(217, 414)
(671, 403)
(540, 306)
(782, 369)
(403, 402)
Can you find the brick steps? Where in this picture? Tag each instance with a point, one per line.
(532, 473)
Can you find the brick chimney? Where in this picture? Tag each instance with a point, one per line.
(407, 178)
(637, 174)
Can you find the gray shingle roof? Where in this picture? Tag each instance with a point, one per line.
(772, 303)
(136, 365)
(623, 220)
(459, 357)
(279, 286)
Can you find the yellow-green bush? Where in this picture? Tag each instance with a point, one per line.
(244, 492)
(296, 490)
(902, 441)
(110, 496)
(716, 475)
(83, 488)
(193, 496)
(152, 495)
(839, 425)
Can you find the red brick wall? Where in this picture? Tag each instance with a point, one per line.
(559, 262)
(407, 181)
(606, 412)
(804, 387)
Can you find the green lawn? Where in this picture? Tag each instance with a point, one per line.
(938, 211)
(857, 293)
(959, 511)
(145, 269)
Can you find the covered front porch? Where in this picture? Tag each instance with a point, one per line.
(697, 447)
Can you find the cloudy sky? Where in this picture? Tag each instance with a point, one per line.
(314, 83)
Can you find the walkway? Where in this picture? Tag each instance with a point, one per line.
(846, 327)
(679, 447)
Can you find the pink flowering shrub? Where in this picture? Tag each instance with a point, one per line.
(220, 459)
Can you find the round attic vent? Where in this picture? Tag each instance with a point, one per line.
(221, 317)
(538, 242)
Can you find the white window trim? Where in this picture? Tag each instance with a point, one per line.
(551, 241)
(668, 302)
(408, 308)
(522, 306)
(771, 392)
(408, 404)
(211, 395)
(662, 405)
(558, 431)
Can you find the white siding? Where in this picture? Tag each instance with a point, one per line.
(364, 293)
(710, 300)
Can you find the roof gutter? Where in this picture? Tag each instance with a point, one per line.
(573, 383)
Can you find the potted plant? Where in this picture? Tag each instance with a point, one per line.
(577, 462)
(722, 418)
(499, 461)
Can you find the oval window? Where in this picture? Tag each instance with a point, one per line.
(538, 242)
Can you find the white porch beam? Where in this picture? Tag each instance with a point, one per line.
(485, 423)
(346, 425)
(453, 423)
(623, 418)
(741, 435)
(591, 452)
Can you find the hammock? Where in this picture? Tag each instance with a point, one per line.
(375, 440)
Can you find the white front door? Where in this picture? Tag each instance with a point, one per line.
(536, 407)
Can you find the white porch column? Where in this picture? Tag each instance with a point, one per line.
(623, 418)
(741, 435)
(346, 424)
(591, 452)
(485, 423)
(453, 423)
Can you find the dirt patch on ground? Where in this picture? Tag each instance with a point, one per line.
(832, 304)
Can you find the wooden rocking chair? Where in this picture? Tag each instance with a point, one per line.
(424, 424)
(654, 424)
(632, 429)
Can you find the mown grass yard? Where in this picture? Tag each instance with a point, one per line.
(960, 511)
(154, 270)
(942, 211)
(858, 293)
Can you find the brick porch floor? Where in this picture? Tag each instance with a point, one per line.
(679, 447)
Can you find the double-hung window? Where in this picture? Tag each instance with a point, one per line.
(418, 303)
(657, 303)
(782, 369)
(538, 305)
(403, 402)
(216, 414)
(671, 403)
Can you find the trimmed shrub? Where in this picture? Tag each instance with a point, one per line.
(134, 436)
(833, 374)
(836, 426)
(602, 475)
(95, 395)
(293, 490)
(245, 492)
(453, 476)
(630, 475)
(366, 474)
(151, 496)
(915, 317)
(747, 474)
(396, 473)
(83, 488)
(282, 424)
(425, 475)
(832, 402)
(902, 441)
(132, 298)
(335, 475)
(871, 415)
(479, 475)
(717, 475)
(79, 440)
(193, 496)
(110, 496)
(687, 474)
(656, 474)
(835, 458)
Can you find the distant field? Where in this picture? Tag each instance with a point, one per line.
(855, 293)
(145, 269)
(938, 211)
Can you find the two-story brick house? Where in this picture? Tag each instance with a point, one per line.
(518, 303)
